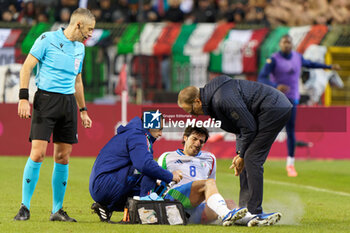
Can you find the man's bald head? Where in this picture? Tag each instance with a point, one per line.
(81, 25)
(188, 95)
(81, 15)
(189, 100)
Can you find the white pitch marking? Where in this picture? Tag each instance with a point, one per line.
(307, 187)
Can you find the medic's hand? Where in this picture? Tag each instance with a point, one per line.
(237, 164)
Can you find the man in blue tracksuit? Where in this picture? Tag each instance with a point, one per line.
(125, 168)
(255, 113)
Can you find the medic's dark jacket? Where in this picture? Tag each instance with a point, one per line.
(243, 107)
(129, 149)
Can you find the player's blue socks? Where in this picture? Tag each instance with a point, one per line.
(59, 184)
(30, 178)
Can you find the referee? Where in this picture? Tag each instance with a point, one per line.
(59, 56)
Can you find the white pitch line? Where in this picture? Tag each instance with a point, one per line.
(307, 187)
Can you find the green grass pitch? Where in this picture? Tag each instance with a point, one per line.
(318, 200)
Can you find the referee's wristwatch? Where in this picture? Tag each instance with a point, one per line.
(83, 109)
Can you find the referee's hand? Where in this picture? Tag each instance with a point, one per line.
(85, 119)
(24, 109)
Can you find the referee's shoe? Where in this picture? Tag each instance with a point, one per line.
(62, 216)
(23, 214)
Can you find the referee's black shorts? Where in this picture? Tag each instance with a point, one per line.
(54, 113)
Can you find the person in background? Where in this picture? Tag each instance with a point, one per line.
(27, 15)
(174, 13)
(285, 69)
(64, 15)
(107, 10)
(204, 13)
(7, 16)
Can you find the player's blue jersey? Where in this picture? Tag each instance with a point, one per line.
(60, 61)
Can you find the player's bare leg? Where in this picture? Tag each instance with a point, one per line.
(197, 195)
(210, 217)
(208, 191)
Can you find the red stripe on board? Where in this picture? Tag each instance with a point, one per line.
(314, 36)
(249, 51)
(166, 39)
(12, 38)
(217, 36)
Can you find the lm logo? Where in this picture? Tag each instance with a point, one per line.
(152, 119)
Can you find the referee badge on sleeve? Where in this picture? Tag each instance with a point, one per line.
(76, 64)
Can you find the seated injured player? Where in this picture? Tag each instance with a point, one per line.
(197, 191)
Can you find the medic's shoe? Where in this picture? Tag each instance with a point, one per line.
(265, 219)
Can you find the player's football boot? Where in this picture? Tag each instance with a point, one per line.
(102, 212)
(61, 215)
(23, 214)
(291, 171)
(264, 219)
(234, 215)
